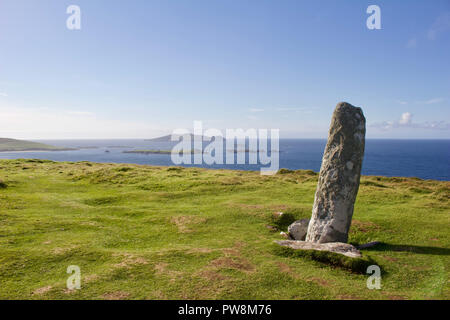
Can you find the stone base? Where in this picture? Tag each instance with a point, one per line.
(336, 247)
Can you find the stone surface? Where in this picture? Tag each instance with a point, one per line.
(336, 247)
(339, 176)
(297, 230)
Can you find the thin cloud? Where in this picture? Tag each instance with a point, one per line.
(80, 113)
(256, 110)
(3, 94)
(305, 110)
(412, 43)
(45, 123)
(440, 25)
(432, 101)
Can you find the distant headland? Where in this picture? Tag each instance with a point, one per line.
(7, 144)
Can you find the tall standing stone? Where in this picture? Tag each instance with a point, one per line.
(339, 176)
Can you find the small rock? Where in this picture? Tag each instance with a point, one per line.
(284, 235)
(297, 230)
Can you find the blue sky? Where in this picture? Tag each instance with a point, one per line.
(139, 69)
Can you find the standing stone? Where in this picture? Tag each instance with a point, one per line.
(339, 176)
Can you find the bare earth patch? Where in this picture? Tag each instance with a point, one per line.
(286, 269)
(320, 282)
(116, 295)
(162, 269)
(212, 275)
(199, 250)
(348, 297)
(130, 260)
(231, 259)
(230, 263)
(59, 251)
(364, 226)
(42, 290)
(184, 223)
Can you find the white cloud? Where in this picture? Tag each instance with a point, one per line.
(402, 102)
(3, 94)
(256, 110)
(440, 25)
(405, 121)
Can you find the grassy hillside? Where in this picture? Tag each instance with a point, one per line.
(22, 145)
(142, 232)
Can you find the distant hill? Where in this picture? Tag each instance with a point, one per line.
(7, 144)
(167, 138)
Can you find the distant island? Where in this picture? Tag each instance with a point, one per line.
(119, 147)
(168, 138)
(7, 144)
(158, 151)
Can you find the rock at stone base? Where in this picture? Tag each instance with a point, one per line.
(297, 230)
(285, 235)
(336, 247)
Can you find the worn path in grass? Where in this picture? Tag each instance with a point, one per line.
(143, 232)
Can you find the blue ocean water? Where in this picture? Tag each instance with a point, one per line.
(426, 159)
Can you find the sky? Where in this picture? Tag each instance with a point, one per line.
(140, 69)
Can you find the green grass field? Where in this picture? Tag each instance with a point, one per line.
(143, 232)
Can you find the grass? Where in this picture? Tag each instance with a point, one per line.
(22, 145)
(143, 232)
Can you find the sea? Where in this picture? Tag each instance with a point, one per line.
(425, 159)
